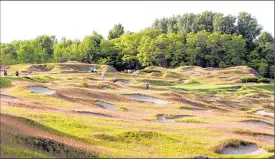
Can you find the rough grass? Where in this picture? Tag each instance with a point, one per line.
(158, 82)
(205, 86)
(52, 147)
(16, 145)
(249, 132)
(192, 120)
(5, 82)
(269, 87)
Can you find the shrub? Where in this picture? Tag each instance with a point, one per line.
(256, 80)
(150, 71)
(264, 80)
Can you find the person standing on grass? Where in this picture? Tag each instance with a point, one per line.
(17, 73)
(147, 85)
(5, 73)
(102, 75)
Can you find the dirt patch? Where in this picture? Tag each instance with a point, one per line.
(188, 69)
(197, 73)
(212, 69)
(200, 157)
(39, 68)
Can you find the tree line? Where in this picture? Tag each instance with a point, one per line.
(207, 39)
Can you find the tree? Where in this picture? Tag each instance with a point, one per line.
(224, 24)
(8, 54)
(46, 43)
(116, 32)
(205, 21)
(248, 27)
(262, 57)
(26, 52)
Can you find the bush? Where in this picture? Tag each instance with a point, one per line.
(264, 80)
(256, 80)
(150, 71)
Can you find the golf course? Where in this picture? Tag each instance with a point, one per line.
(63, 110)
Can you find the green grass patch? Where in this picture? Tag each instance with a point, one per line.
(158, 82)
(205, 86)
(191, 120)
(269, 87)
(5, 82)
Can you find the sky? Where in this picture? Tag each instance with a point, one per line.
(75, 20)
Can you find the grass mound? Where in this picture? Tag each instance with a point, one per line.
(106, 68)
(153, 69)
(52, 148)
(134, 136)
(41, 68)
(170, 75)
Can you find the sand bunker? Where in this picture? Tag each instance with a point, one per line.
(144, 98)
(123, 81)
(40, 90)
(106, 105)
(161, 117)
(181, 81)
(263, 112)
(244, 149)
(88, 113)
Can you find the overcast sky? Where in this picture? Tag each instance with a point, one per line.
(75, 20)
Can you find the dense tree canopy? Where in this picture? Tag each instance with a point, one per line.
(208, 39)
(116, 32)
